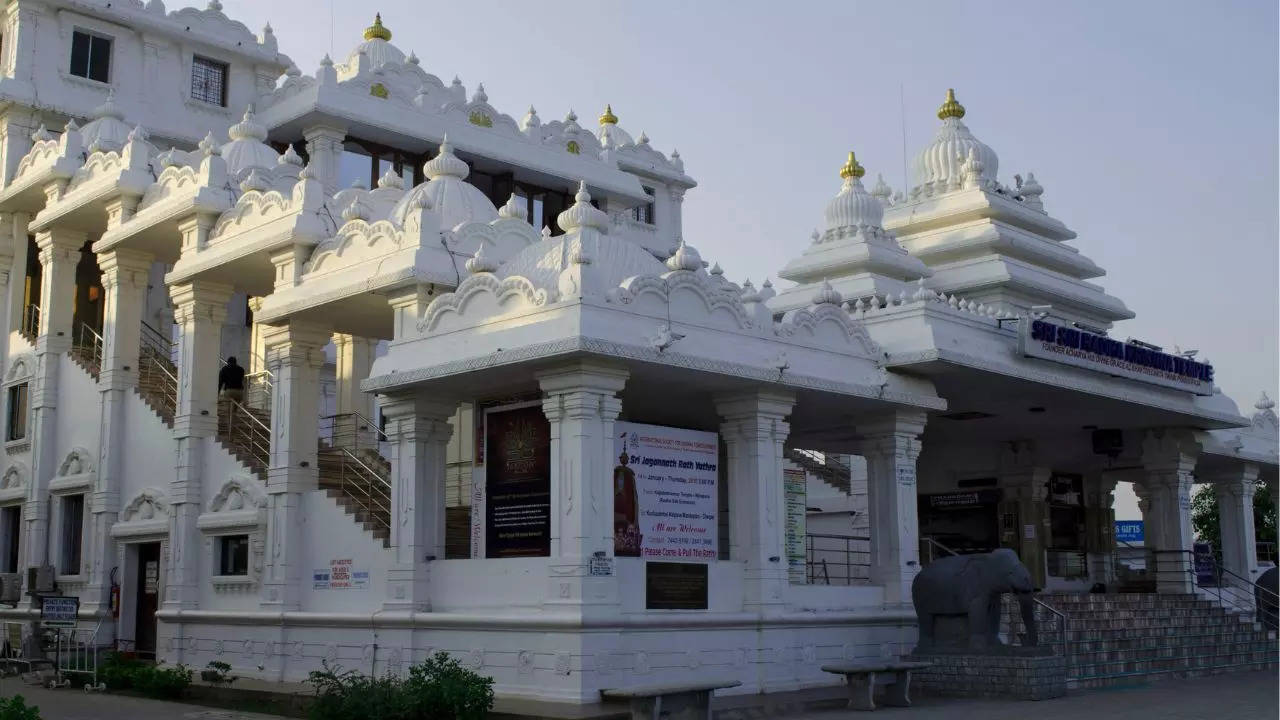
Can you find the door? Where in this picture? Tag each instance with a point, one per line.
(148, 598)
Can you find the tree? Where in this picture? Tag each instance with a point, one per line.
(1204, 514)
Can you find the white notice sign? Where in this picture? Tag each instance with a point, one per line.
(664, 493)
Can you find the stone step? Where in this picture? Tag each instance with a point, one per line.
(1114, 644)
(1172, 650)
(1185, 662)
(1119, 679)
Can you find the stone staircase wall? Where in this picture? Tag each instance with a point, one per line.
(1129, 638)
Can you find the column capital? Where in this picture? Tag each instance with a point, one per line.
(331, 133)
(591, 376)
(125, 266)
(900, 422)
(775, 404)
(295, 342)
(415, 417)
(54, 239)
(200, 299)
(1170, 450)
(1241, 483)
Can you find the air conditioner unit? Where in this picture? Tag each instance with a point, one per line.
(40, 579)
(10, 588)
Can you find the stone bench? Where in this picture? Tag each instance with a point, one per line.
(690, 701)
(861, 678)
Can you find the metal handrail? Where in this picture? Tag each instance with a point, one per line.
(245, 431)
(816, 567)
(358, 426)
(368, 488)
(87, 344)
(158, 382)
(930, 543)
(156, 341)
(822, 464)
(1235, 598)
(31, 321)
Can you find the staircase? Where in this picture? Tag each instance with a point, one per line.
(828, 467)
(1133, 638)
(351, 472)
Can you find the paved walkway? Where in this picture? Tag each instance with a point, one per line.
(1243, 696)
(1239, 696)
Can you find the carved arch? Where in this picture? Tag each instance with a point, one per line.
(149, 504)
(77, 462)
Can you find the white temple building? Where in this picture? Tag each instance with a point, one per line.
(452, 319)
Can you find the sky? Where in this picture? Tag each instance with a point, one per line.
(1152, 125)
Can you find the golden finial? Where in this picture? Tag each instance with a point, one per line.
(608, 118)
(377, 30)
(852, 168)
(950, 108)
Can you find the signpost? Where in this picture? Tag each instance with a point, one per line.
(1091, 351)
(1129, 531)
(793, 483)
(664, 493)
(59, 611)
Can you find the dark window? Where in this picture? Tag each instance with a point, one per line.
(208, 81)
(10, 532)
(17, 426)
(72, 533)
(233, 555)
(644, 212)
(91, 56)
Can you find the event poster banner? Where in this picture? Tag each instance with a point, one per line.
(664, 493)
(517, 483)
(794, 485)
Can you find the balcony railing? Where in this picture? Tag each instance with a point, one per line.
(31, 322)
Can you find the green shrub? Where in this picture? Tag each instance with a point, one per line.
(16, 708)
(118, 671)
(162, 682)
(438, 689)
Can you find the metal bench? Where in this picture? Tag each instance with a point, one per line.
(861, 678)
(690, 701)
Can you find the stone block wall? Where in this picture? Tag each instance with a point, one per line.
(1021, 677)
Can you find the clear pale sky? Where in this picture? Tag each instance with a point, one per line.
(1152, 125)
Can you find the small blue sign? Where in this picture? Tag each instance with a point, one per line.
(1129, 531)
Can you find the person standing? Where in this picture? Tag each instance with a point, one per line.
(231, 381)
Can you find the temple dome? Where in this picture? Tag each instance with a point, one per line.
(616, 258)
(247, 148)
(377, 45)
(456, 200)
(107, 129)
(941, 161)
(853, 205)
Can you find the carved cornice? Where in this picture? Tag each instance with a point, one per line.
(610, 349)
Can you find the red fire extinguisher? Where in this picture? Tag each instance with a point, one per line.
(115, 594)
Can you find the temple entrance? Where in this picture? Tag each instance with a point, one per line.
(964, 522)
(147, 598)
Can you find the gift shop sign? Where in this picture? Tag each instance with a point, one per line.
(1082, 349)
(664, 493)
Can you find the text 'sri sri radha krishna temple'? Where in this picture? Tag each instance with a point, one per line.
(463, 333)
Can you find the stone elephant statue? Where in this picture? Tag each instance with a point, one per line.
(963, 592)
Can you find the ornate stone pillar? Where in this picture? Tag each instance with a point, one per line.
(1025, 486)
(1100, 519)
(324, 151)
(124, 281)
(1235, 520)
(754, 428)
(1168, 462)
(16, 225)
(295, 354)
(59, 253)
(677, 213)
(581, 404)
(419, 431)
(200, 309)
(891, 446)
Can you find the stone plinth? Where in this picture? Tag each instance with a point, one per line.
(1029, 675)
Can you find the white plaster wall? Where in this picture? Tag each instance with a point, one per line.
(329, 533)
(152, 80)
(77, 420)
